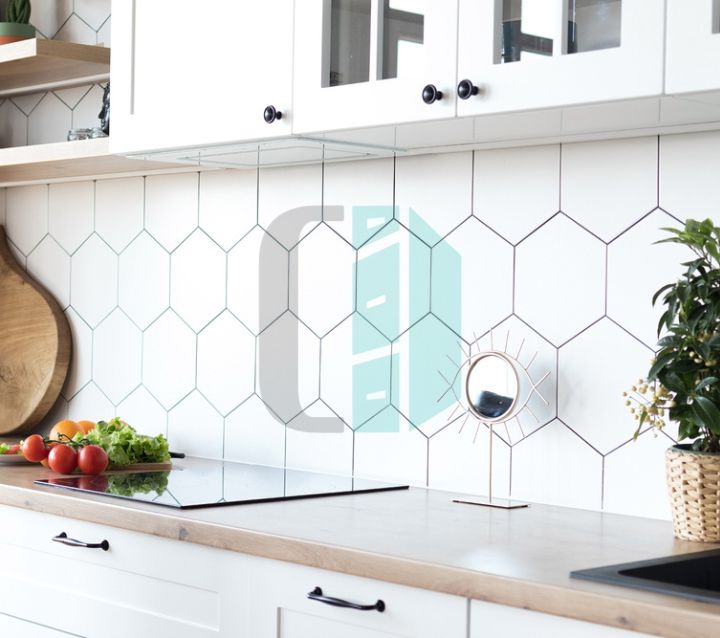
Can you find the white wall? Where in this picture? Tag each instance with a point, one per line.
(552, 245)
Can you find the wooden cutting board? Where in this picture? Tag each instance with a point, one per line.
(35, 345)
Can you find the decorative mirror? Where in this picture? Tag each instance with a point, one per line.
(496, 388)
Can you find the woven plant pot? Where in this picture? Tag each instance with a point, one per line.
(693, 480)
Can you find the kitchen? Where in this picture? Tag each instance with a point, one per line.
(303, 309)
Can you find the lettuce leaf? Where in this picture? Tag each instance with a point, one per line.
(124, 446)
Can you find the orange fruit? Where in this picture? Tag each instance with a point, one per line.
(86, 426)
(63, 429)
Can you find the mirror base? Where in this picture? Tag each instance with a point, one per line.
(500, 503)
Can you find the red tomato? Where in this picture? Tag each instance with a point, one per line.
(13, 449)
(33, 448)
(63, 459)
(92, 460)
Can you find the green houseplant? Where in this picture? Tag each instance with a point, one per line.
(683, 383)
(16, 25)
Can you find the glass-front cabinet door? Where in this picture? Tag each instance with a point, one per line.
(526, 54)
(693, 46)
(372, 62)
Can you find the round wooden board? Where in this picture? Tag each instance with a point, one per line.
(35, 345)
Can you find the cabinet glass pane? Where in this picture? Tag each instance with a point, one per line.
(349, 39)
(527, 30)
(403, 32)
(533, 29)
(593, 25)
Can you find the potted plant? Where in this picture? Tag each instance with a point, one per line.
(16, 25)
(683, 383)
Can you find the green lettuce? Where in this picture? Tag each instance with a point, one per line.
(124, 446)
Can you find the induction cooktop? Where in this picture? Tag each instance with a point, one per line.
(194, 483)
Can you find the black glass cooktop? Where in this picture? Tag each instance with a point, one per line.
(194, 483)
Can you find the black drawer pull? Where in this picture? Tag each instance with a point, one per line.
(62, 537)
(316, 594)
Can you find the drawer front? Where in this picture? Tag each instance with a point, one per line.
(143, 585)
(488, 620)
(283, 609)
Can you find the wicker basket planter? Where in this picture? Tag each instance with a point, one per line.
(694, 488)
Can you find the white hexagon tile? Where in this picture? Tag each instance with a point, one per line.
(288, 367)
(50, 265)
(13, 125)
(554, 465)
(91, 404)
(604, 195)
(228, 205)
(635, 251)
(355, 369)
(472, 279)
(71, 213)
(171, 207)
(93, 280)
(190, 417)
(433, 194)
(197, 280)
(560, 279)
(254, 435)
(290, 202)
(226, 363)
(117, 356)
(26, 216)
(595, 368)
(321, 291)
(141, 410)
(358, 208)
(144, 280)
(119, 210)
(49, 121)
(516, 189)
(257, 280)
(689, 166)
(169, 355)
(80, 371)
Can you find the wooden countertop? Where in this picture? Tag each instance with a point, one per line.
(421, 538)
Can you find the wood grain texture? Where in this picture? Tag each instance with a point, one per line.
(420, 538)
(34, 61)
(35, 347)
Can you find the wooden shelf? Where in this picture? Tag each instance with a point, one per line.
(30, 65)
(63, 160)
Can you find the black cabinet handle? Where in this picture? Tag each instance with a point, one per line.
(465, 89)
(317, 594)
(62, 537)
(271, 114)
(431, 94)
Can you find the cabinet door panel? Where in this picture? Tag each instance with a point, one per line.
(188, 74)
(565, 52)
(17, 628)
(693, 46)
(284, 610)
(365, 62)
(488, 620)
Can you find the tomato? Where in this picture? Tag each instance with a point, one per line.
(13, 448)
(92, 459)
(64, 430)
(63, 459)
(33, 448)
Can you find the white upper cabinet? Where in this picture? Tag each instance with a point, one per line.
(186, 73)
(693, 46)
(372, 62)
(530, 54)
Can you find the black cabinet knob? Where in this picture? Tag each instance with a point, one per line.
(466, 88)
(431, 94)
(271, 114)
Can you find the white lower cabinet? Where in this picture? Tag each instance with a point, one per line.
(143, 586)
(488, 620)
(283, 609)
(16, 628)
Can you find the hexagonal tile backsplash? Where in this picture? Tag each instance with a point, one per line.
(328, 337)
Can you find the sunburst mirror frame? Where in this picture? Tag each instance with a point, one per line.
(525, 388)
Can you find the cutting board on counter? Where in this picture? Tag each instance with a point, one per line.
(35, 346)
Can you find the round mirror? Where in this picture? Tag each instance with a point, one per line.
(492, 387)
